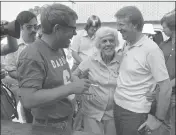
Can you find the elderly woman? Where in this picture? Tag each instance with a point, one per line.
(102, 68)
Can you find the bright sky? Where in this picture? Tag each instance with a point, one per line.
(9, 10)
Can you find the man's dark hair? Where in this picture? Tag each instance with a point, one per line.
(133, 14)
(56, 14)
(24, 17)
(169, 19)
(93, 20)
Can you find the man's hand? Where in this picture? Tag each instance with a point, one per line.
(84, 74)
(81, 86)
(3, 73)
(151, 124)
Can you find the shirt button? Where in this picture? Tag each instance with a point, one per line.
(172, 49)
(170, 55)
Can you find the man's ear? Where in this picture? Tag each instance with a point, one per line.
(56, 28)
(135, 26)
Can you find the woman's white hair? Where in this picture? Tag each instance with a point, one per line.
(103, 32)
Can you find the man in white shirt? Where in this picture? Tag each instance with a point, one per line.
(82, 43)
(142, 66)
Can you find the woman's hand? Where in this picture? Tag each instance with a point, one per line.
(151, 96)
(84, 74)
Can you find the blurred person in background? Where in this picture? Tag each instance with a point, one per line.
(156, 36)
(148, 30)
(29, 26)
(10, 47)
(82, 43)
(8, 109)
(168, 48)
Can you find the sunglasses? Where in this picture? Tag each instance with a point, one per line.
(64, 24)
(29, 27)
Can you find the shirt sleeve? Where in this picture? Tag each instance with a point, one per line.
(75, 43)
(31, 73)
(157, 66)
(10, 61)
(84, 65)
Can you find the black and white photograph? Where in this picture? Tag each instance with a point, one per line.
(77, 67)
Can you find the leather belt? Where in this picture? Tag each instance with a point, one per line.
(51, 120)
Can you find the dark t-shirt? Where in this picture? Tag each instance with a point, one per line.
(41, 67)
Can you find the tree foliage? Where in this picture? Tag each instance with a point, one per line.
(35, 10)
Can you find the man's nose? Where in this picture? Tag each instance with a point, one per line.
(34, 29)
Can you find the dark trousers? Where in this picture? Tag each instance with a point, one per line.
(28, 115)
(52, 128)
(127, 122)
(172, 110)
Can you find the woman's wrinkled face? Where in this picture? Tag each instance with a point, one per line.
(107, 45)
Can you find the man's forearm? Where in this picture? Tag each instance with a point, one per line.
(163, 99)
(10, 47)
(12, 42)
(13, 74)
(76, 57)
(32, 98)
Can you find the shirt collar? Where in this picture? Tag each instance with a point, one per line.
(97, 56)
(170, 39)
(138, 43)
(85, 34)
(21, 41)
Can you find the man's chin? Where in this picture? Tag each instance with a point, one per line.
(33, 39)
(66, 46)
(124, 37)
